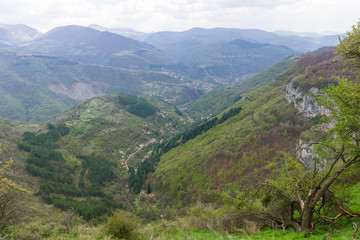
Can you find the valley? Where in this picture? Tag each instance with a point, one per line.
(60, 71)
(201, 134)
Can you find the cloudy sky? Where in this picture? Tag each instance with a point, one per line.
(157, 15)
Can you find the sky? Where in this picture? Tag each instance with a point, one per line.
(336, 16)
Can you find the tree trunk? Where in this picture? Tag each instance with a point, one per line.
(307, 218)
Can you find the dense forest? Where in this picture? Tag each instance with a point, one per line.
(57, 177)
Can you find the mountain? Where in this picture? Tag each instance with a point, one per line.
(174, 42)
(218, 100)
(232, 62)
(91, 46)
(236, 151)
(126, 32)
(36, 87)
(16, 34)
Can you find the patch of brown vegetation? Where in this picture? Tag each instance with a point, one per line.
(321, 69)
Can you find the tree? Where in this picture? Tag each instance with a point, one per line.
(301, 197)
(9, 197)
(349, 46)
(341, 150)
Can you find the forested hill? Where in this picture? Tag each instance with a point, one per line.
(86, 151)
(114, 126)
(237, 151)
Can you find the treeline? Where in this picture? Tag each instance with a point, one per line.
(137, 178)
(56, 177)
(48, 139)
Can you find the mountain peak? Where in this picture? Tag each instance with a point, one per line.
(17, 33)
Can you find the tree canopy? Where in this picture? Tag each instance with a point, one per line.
(349, 46)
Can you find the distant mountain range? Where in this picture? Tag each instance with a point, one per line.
(171, 41)
(43, 74)
(91, 46)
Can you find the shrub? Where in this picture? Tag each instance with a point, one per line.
(121, 225)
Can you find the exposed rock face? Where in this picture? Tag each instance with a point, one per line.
(305, 103)
(80, 91)
(305, 153)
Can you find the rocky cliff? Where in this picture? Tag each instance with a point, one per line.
(305, 102)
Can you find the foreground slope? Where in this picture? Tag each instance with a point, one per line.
(236, 151)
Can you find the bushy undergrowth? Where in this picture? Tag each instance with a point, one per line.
(121, 225)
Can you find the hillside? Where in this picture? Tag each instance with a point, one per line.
(36, 87)
(236, 152)
(218, 100)
(116, 126)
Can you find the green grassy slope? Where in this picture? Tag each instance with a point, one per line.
(217, 101)
(234, 152)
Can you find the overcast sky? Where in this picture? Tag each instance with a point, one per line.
(158, 15)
